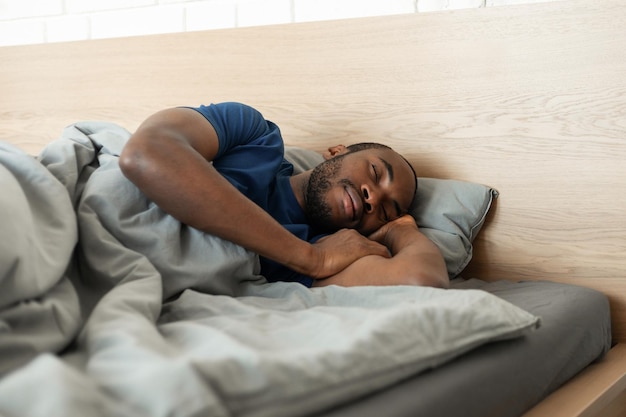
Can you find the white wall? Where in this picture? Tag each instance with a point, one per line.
(41, 21)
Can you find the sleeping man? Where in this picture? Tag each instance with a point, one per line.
(221, 169)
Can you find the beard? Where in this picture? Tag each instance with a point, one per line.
(317, 209)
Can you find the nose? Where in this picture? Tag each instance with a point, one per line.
(370, 199)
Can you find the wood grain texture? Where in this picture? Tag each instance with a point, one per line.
(528, 99)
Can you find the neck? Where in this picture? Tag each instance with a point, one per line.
(299, 184)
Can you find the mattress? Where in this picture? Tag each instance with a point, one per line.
(506, 378)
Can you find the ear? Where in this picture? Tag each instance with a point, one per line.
(333, 151)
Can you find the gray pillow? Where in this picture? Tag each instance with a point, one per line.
(448, 212)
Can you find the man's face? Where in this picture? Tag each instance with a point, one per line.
(361, 190)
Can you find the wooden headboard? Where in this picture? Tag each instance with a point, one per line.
(528, 99)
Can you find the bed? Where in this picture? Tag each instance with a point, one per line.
(514, 118)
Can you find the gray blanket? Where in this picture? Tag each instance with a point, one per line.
(110, 307)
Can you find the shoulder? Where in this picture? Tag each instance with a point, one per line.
(239, 124)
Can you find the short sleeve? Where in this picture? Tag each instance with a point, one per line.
(236, 124)
(251, 149)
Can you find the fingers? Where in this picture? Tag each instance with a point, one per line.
(344, 247)
(380, 235)
(352, 242)
(372, 247)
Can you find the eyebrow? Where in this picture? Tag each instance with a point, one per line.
(389, 169)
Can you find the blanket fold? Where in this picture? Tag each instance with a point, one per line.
(39, 309)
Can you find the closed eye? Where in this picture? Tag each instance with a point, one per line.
(376, 178)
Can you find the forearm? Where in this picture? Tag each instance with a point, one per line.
(415, 260)
(220, 209)
(408, 267)
(187, 186)
(417, 256)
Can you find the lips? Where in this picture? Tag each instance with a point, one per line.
(352, 203)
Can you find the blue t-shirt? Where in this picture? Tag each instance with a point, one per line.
(251, 157)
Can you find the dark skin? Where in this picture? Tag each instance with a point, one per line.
(374, 242)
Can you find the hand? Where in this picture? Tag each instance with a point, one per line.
(342, 248)
(386, 233)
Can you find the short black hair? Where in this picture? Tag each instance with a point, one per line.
(366, 145)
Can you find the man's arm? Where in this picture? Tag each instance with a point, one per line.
(415, 260)
(168, 159)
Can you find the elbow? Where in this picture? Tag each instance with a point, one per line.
(440, 282)
(419, 278)
(132, 162)
(433, 272)
(430, 272)
(435, 279)
(126, 163)
(427, 274)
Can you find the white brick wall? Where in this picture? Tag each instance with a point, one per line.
(435, 5)
(204, 15)
(311, 10)
(266, 12)
(137, 21)
(40, 21)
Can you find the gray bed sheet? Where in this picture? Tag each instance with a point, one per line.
(505, 379)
